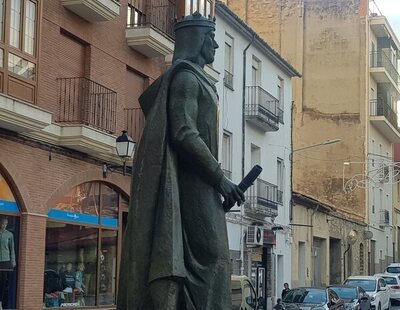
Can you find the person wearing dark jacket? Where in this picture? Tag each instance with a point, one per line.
(285, 290)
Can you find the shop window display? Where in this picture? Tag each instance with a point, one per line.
(81, 247)
(9, 237)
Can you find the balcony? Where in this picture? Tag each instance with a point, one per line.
(262, 199)
(19, 116)
(93, 10)
(383, 70)
(134, 123)
(261, 109)
(384, 119)
(152, 34)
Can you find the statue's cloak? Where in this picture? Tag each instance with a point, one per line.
(163, 222)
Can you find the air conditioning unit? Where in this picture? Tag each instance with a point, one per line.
(255, 236)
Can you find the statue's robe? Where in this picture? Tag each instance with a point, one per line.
(176, 223)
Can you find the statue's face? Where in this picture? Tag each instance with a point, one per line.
(209, 47)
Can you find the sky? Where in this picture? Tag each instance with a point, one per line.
(391, 9)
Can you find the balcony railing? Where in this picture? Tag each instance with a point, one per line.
(262, 108)
(160, 15)
(82, 101)
(380, 108)
(380, 59)
(263, 196)
(228, 79)
(134, 123)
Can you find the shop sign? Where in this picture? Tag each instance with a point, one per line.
(81, 218)
(7, 200)
(255, 257)
(269, 237)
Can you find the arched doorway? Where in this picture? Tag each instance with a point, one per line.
(9, 244)
(83, 241)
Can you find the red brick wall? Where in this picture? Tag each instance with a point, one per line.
(38, 183)
(107, 55)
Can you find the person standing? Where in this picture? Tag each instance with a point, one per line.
(7, 257)
(175, 251)
(285, 290)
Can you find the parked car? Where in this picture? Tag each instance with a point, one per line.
(375, 287)
(243, 294)
(355, 297)
(393, 281)
(393, 268)
(314, 298)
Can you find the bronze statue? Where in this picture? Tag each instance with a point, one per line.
(175, 253)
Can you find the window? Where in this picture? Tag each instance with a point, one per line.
(204, 7)
(281, 99)
(227, 154)
(228, 77)
(9, 242)
(280, 178)
(82, 236)
(256, 72)
(136, 16)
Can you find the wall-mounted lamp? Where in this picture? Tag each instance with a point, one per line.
(125, 147)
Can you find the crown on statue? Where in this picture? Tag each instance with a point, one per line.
(195, 20)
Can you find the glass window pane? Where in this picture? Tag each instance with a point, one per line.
(15, 26)
(108, 267)
(1, 19)
(70, 265)
(109, 216)
(21, 67)
(81, 204)
(30, 27)
(9, 237)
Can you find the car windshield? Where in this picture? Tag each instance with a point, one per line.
(367, 285)
(305, 296)
(393, 269)
(390, 280)
(345, 292)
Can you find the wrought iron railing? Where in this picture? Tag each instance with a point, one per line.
(86, 102)
(263, 195)
(380, 108)
(134, 123)
(160, 14)
(380, 59)
(262, 104)
(228, 79)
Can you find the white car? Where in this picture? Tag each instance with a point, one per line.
(393, 268)
(375, 287)
(393, 281)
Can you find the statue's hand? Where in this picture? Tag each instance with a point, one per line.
(231, 192)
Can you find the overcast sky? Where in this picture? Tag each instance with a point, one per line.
(391, 9)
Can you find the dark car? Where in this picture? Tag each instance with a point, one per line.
(315, 298)
(355, 297)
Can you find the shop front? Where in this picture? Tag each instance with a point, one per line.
(83, 238)
(9, 245)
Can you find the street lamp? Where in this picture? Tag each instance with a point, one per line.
(125, 147)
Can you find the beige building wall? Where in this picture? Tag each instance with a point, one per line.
(326, 42)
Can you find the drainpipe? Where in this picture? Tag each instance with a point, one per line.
(344, 261)
(243, 153)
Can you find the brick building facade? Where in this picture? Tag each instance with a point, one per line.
(71, 75)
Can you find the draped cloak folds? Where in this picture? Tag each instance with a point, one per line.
(176, 223)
